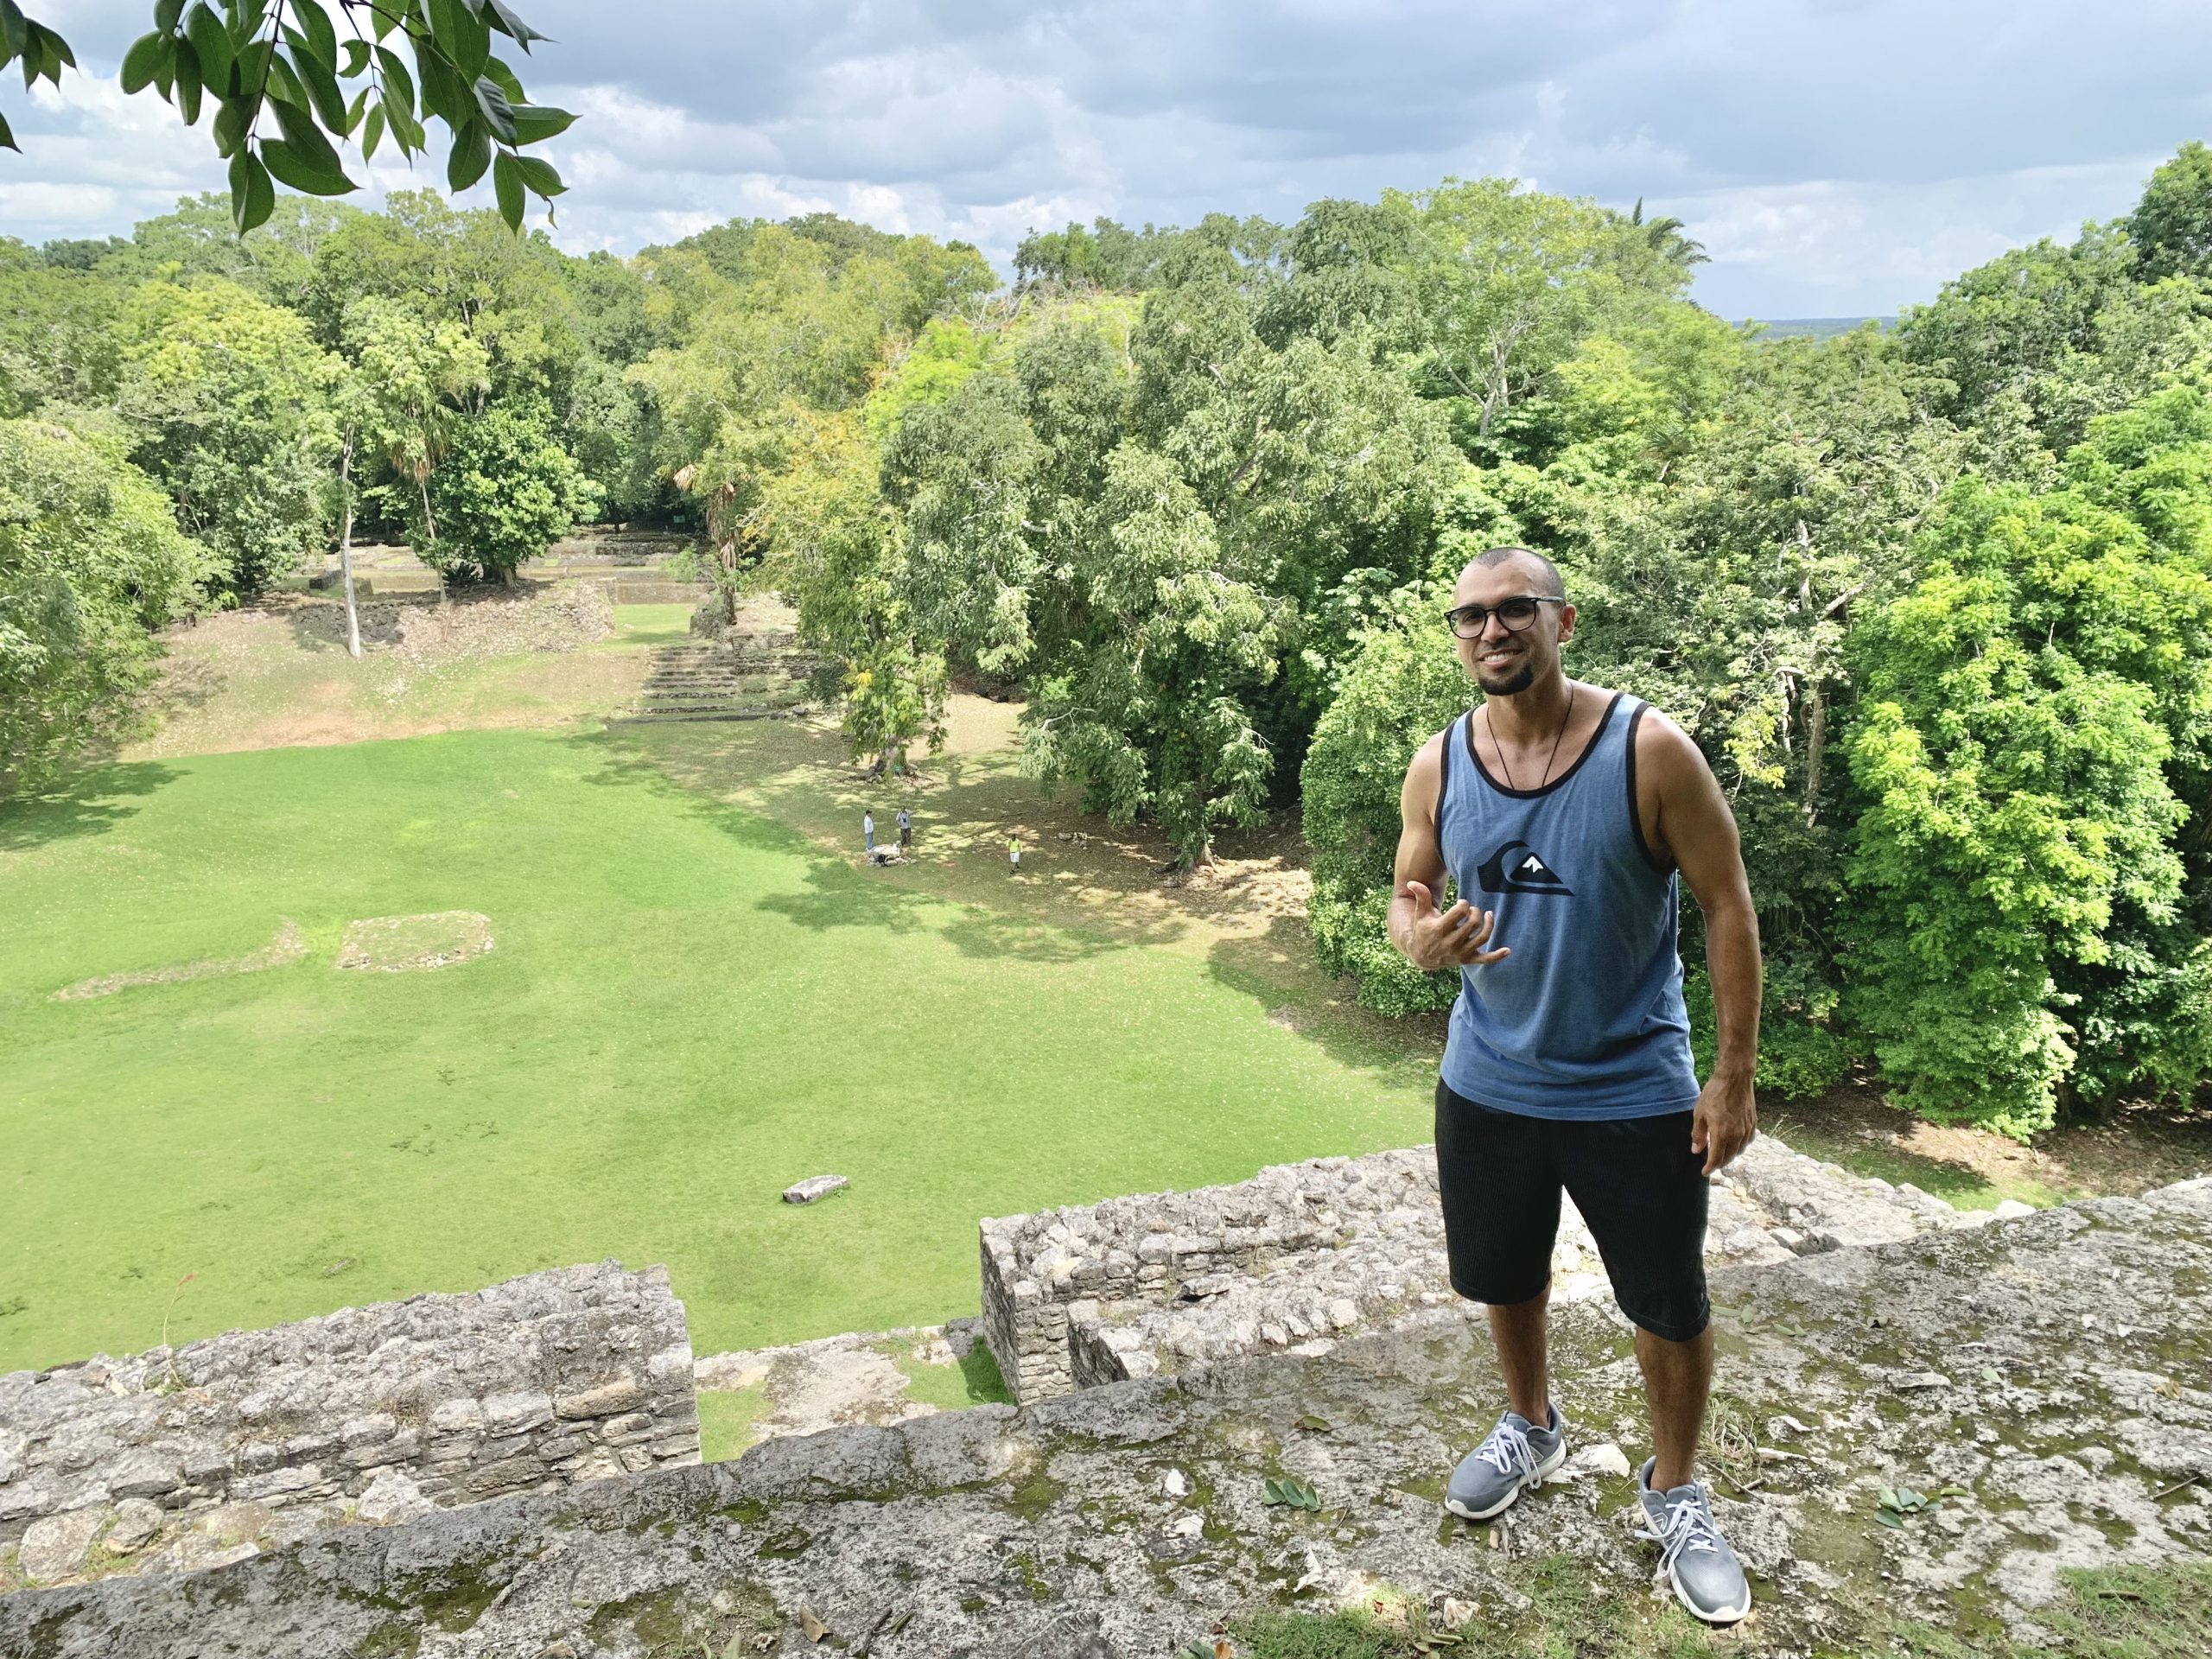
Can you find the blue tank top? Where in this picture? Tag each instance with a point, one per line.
(1584, 1020)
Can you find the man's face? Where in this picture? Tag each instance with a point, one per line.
(1504, 660)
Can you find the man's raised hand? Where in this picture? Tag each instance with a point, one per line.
(1450, 939)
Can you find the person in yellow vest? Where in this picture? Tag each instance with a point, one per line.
(1014, 856)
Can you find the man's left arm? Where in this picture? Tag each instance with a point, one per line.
(1697, 828)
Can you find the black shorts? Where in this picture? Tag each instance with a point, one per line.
(1635, 1179)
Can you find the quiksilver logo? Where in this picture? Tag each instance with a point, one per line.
(1514, 868)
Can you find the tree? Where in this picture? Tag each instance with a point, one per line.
(410, 378)
(90, 561)
(1997, 330)
(2171, 225)
(504, 491)
(1507, 280)
(245, 61)
(2018, 819)
(1402, 686)
(229, 397)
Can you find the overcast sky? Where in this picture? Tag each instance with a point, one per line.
(1837, 157)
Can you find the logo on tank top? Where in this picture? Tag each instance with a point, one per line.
(1514, 868)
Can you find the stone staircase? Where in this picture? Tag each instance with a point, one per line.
(718, 682)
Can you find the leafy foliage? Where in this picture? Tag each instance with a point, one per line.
(503, 491)
(273, 82)
(90, 560)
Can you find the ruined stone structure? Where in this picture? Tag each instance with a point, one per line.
(193, 1457)
(2047, 1373)
(1302, 1255)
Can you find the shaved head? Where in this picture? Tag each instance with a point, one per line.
(1548, 580)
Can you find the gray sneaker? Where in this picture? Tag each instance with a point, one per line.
(1706, 1577)
(1516, 1456)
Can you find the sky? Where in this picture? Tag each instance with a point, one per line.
(1836, 157)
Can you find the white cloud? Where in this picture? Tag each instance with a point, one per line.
(1837, 157)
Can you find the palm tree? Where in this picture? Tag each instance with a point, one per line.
(1665, 235)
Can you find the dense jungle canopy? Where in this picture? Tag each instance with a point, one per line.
(1935, 600)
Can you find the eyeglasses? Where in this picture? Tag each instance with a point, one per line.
(1468, 621)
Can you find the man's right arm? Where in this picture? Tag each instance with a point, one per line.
(1427, 939)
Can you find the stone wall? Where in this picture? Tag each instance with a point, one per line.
(204, 1454)
(2047, 1376)
(1303, 1253)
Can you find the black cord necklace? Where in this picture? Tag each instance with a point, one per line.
(1548, 758)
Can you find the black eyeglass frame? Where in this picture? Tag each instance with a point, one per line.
(1452, 617)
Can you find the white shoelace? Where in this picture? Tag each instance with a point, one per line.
(1508, 1451)
(1688, 1528)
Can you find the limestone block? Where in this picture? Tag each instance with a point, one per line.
(138, 1522)
(605, 1401)
(54, 1546)
(390, 1497)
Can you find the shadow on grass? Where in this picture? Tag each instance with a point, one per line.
(1866, 1150)
(1276, 969)
(839, 894)
(87, 804)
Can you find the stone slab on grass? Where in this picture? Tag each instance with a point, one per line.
(436, 938)
(2074, 1345)
(814, 1187)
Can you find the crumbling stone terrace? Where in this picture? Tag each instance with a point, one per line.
(190, 1458)
(1302, 1255)
(2051, 1368)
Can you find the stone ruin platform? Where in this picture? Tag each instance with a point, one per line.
(178, 1459)
(2052, 1368)
(1303, 1254)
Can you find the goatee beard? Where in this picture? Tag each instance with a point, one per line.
(1519, 680)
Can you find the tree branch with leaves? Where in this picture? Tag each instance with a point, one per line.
(245, 63)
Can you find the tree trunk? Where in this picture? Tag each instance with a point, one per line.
(1816, 729)
(430, 529)
(346, 545)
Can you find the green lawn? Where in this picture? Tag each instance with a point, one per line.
(689, 1005)
(654, 625)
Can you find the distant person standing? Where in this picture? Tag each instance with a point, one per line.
(1014, 856)
(867, 831)
(905, 831)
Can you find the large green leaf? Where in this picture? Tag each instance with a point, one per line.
(492, 103)
(539, 175)
(534, 122)
(398, 85)
(289, 164)
(464, 37)
(166, 12)
(321, 38)
(186, 64)
(284, 87)
(321, 84)
(140, 64)
(8, 136)
(520, 32)
(507, 185)
(14, 28)
(213, 42)
(253, 198)
(232, 118)
(357, 58)
(313, 150)
(445, 94)
(472, 154)
(373, 133)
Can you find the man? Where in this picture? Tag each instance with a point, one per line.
(906, 831)
(1563, 812)
(868, 833)
(1014, 856)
